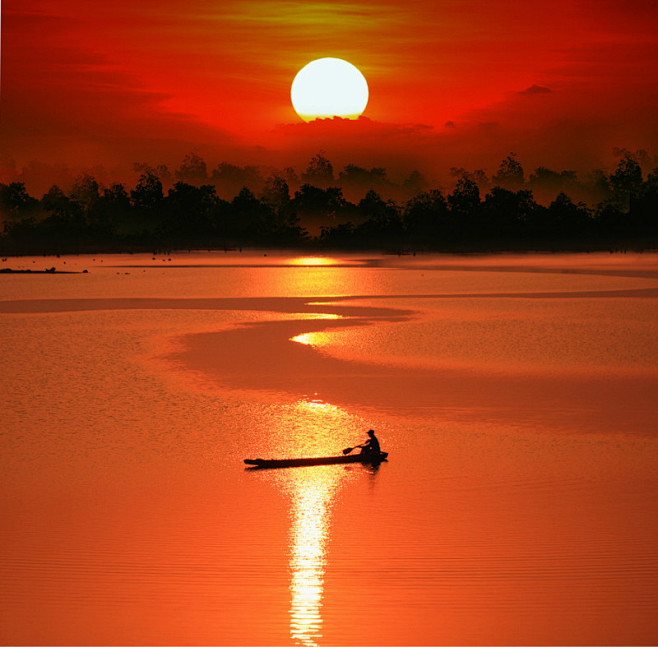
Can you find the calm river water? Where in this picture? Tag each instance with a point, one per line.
(517, 397)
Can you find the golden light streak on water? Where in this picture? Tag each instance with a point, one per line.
(311, 515)
(310, 338)
(314, 261)
(305, 338)
(319, 406)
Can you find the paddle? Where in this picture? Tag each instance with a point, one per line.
(351, 449)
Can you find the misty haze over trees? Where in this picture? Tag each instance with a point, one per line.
(233, 206)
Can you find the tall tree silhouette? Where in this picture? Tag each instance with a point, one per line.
(626, 181)
(510, 173)
(568, 219)
(86, 192)
(383, 220)
(426, 217)
(188, 212)
(147, 195)
(231, 178)
(319, 171)
(192, 169)
(353, 175)
(276, 192)
(505, 213)
(464, 202)
(311, 200)
(15, 200)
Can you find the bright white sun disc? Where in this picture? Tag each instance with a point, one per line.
(329, 87)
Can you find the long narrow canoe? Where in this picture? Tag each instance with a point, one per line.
(322, 460)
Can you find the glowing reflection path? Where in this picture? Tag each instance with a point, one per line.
(308, 536)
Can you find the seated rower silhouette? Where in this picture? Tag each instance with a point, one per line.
(371, 446)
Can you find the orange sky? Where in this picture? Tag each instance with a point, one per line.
(560, 83)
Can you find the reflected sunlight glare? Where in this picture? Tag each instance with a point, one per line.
(312, 494)
(314, 261)
(319, 406)
(311, 338)
(305, 338)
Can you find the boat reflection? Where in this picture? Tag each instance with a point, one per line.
(313, 491)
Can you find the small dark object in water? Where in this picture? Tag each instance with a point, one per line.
(366, 459)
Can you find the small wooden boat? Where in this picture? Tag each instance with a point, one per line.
(366, 459)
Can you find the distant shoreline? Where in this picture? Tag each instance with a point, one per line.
(8, 270)
(620, 246)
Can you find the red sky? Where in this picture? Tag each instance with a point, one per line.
(108, 83)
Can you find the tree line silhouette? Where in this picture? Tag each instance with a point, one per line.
(478, 214)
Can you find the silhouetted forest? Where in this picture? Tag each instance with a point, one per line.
(186, 210)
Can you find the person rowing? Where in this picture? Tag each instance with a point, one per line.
(371, 451)
(371, 446)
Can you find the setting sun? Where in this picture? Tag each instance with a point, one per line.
(329, 87)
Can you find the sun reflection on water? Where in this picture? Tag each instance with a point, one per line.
(312, 427)
(312, 494)
(311, 338)
(305, 338)
(314, 261)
